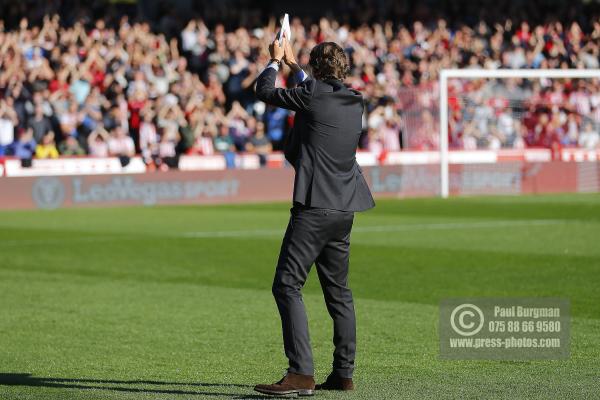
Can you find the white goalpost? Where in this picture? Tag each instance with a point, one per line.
(447, 74)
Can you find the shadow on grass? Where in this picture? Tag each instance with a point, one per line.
(19, 379)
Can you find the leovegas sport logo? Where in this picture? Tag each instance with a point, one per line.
(51, 192)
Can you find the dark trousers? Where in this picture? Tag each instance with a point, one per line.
(319, 236)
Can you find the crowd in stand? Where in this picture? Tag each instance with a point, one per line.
(122, 88)
(525, 113)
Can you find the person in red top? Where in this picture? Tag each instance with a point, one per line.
(135, 106)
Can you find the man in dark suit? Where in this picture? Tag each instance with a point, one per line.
(328, 189)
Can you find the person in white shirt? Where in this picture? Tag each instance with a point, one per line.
(589, 138)
(98, 142)
(120, 144)
(8, 120)
(148, 136)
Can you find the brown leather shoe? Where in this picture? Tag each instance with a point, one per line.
(334, 382)
(302, 385)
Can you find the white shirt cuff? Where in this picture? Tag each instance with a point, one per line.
(300, 75)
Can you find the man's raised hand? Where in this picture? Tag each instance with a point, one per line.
(288, 56)
(276, 50)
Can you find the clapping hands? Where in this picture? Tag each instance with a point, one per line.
(283, 51)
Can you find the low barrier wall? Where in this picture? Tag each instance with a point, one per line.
(275, 184)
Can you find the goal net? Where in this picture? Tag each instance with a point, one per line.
(474, 119)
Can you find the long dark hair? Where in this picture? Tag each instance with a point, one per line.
(329, 61)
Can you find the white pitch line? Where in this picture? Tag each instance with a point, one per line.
(384, 228)
(23, 242)
(457, 225)
(243, 233)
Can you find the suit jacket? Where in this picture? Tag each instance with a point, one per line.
(322, 145)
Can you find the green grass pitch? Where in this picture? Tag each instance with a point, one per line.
(175, 302)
